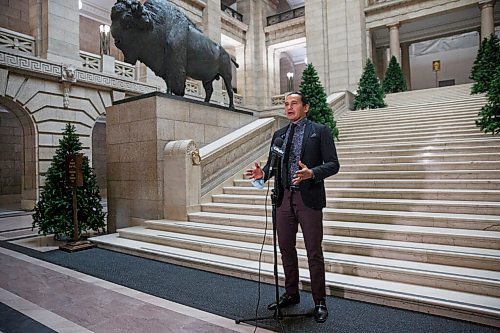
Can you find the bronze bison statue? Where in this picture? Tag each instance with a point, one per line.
(161, 36)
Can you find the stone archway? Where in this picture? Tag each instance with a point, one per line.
(18, 180)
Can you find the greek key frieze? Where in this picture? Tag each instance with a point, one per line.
(112, 82)
(20, 62)
(56, 70)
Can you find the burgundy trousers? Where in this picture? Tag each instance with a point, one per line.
(289, 215)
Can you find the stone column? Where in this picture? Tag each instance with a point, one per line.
(212, 29)
(405, 63)
(336, 42)
(273, 68)
(256, 90)
(381, 64)
(487, 17)
(317, 40)
(394, 41)
(240, 71)
(56, 23)
(370, 47)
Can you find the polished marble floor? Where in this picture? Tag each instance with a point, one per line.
(64, 300)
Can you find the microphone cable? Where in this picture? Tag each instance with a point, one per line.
(260, 259)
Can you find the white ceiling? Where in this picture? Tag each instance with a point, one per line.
(296, 3)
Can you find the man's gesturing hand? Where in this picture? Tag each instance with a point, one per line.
(255, 173)
(302, 174)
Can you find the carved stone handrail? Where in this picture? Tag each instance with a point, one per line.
(231, 12)
(237, 99)
(285, 16)
(340, 103)
(228, 155)
(90, 60)
(17, 41)
(124, 69)
(278, 100)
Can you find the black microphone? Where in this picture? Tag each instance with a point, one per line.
(276, 151)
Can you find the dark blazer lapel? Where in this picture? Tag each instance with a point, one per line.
(307, 133)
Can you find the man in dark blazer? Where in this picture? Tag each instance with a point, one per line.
(309, 157)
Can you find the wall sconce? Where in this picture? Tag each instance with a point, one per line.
(104, 36)
(289, 75)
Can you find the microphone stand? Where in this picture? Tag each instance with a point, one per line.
(278, 314)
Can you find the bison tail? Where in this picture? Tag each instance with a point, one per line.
(235, 63)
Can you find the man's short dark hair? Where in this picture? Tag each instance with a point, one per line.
(303, 98)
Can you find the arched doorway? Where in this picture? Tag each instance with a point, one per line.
(18, 175)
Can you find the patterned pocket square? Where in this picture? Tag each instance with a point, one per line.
(313, 135)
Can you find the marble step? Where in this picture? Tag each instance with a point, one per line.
(464, 175)
(457, 184)
(389, 193)
(422, 151)
(490, 153)
(465, 306)
(418, 158)
(433, 275)
(419, 119)
(407, 135)
(467, 257)
(431, 118)
(469, 165)
(411, 128)
(416, 101)
(469, 144)
(405, 205)
(406, 233)
(418, 110)
(423, 108)
(402, 124)
(421, 219)
(427, 137)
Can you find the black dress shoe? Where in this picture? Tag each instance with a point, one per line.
(320, 312)
(285, 301)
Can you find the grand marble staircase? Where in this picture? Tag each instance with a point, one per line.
(412, 219)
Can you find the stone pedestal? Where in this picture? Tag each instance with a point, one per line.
(137, 132)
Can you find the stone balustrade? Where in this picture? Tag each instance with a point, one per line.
(285, 16)
(233, 152)
(90, 60)
(14, 40)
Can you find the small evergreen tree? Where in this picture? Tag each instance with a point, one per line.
(483, 69)
(370, 93)
(53, 212)
(490, 113)
(394, 80)
(319, 110)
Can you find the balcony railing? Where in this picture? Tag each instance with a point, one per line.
(124, 69)
(231, 12)
(285, 16)
(26, 44)
(90, 60)
(14, 40)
